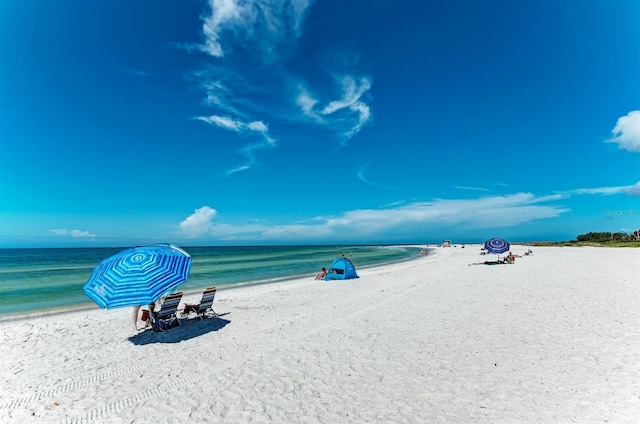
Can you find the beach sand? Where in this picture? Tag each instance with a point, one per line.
(553, 338)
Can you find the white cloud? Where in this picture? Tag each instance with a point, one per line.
(218, 93)
(240, 168)
(351, 103)
(266, 24)
(135, 72)
(363, 114)
(626, 133)
(349, 113)
(267, 31)
(72, 233)
(362, 177)
(258, 126)
(490, 212)
(633, 190)
(352, 91)
(198, 223)
(221, 121)
(471, 188)
(307, 103)
(404, 219)
(602, 190)
(225, 14)
(78, 233)
(363, 224)
(237, 125)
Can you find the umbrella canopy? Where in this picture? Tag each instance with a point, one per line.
(138, 276)
(496, 245)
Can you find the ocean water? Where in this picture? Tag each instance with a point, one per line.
(38, 280)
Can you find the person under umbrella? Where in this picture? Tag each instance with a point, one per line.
(138, 276)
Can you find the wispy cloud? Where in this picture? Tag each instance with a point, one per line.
(471, 188)
(362, 177)
(250, 80)
(626, 133)
(349, 112)
(238, 126)
(628, 189)
(136, 72)
(225, 15)
(72, 233)
(307, 104)
(266, 25)
(249, 152)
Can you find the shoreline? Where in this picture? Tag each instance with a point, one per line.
(554, 337)
(89, 306)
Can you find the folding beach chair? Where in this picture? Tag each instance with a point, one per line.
(205, 308)
(166, 318)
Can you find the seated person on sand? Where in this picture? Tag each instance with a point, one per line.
(322, 274)
(144, 317)
(488, 263)
(510, 258)
(153, 307)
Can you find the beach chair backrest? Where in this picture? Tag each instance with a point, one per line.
(207, 297)
(170, 305)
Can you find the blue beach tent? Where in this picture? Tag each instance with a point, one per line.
(341, 269)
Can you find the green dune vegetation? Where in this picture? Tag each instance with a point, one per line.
(600, 239)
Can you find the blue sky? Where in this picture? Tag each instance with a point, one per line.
(228, 122)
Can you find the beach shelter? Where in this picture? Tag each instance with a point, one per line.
(341, 269)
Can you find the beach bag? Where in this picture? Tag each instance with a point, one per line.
(145, 315)
(159, 325)
(163, 325)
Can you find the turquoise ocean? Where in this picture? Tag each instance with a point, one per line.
(48, 280)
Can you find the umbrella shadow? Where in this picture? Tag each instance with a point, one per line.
(188, 329)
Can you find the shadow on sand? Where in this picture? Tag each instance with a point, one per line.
(188, 329)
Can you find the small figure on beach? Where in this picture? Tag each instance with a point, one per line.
(487, 263)
(322, 274)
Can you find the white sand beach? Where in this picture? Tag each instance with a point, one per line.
(553, 338)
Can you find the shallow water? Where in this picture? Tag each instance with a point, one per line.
(34, 280)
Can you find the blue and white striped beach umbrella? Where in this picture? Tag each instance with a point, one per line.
(496, 245)
(138, 276)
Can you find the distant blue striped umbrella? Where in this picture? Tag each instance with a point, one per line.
(138, 276)
(496, 245)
